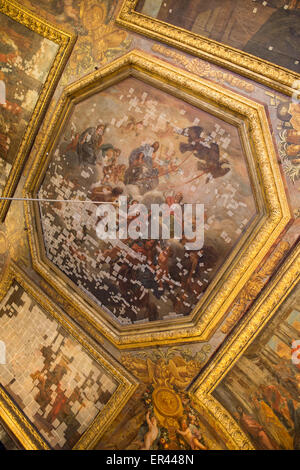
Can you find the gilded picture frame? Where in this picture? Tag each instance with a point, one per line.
(263, 310)
(272, 205)
(245, 64)
(65, 41)
(13, 417)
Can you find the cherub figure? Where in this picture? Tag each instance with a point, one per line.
(152, 434)
(188, 436)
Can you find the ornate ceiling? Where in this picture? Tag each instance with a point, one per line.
(102, 339)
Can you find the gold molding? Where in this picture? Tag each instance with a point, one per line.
(232, 435)
(66, 41)
(254, 286)
(252, 67)
(204, 69)
(259, 315)
(272, 206)
(14, 418)
(18, 424)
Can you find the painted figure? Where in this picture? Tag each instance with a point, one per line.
(294, 408)
(208, 153)
(152, 434)
(255, 430)
(89, 144)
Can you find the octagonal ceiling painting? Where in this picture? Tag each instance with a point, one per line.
(135, 140)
